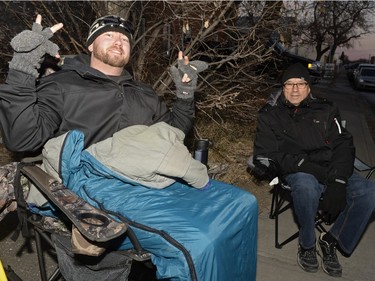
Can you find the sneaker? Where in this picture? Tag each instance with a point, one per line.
(307, 259)
(330, 262)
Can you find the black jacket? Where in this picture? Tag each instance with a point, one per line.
(80, 97)
(310, 132)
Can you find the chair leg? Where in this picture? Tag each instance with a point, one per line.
(278, 244)
(272, 211)
(277, 208)
(276, 213)
(39, 250)
(39, 237)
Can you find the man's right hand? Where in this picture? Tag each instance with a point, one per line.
(264, 169)
(31, 45)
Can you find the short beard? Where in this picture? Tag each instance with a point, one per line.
(103, 56)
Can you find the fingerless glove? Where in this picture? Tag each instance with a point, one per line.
(29, 48)
(185, 90)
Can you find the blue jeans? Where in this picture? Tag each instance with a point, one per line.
(352, 221)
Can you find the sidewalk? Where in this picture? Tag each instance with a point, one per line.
(281, 264)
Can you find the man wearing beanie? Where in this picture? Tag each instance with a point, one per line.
(304, 143)
(92, 93)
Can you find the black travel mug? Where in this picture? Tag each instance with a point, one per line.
(201, 151)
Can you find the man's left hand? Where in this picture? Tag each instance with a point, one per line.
(334, 199)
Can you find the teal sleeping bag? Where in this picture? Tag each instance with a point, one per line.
(192, 234)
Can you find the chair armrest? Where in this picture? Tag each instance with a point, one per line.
(263, 168)
(93, 223)
(361, 166)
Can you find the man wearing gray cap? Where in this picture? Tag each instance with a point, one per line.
(92, 93)
(302, 138)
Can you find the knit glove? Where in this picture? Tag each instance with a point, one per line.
(29, 48)
(185, 90)
(334, 199)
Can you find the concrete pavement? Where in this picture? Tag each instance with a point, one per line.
(281, 264)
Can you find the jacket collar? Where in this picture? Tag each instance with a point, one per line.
(81, 64)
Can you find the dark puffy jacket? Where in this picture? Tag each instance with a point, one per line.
(80, 97)
(311, 132)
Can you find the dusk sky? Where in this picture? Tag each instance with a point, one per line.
(363, 48)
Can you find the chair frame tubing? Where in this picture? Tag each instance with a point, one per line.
(41, 236)
(279, 205)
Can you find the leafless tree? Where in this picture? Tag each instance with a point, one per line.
(206, 30)
(330, 24)
(237, 51)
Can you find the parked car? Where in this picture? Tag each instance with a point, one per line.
(350, 71)
(365, 77)
(358, 68)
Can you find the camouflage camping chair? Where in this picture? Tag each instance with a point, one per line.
(82, 237)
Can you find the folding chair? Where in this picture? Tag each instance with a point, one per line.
(282, 201)
(45, 237)
(170, 223)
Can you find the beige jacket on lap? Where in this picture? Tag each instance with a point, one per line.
(153, 156)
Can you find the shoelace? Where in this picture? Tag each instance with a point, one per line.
(331, 253)
(308, 253)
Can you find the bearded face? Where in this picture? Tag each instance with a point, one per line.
(112, 56)
(111, 48)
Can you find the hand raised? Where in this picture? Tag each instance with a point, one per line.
(31, 45)
(186, 75)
